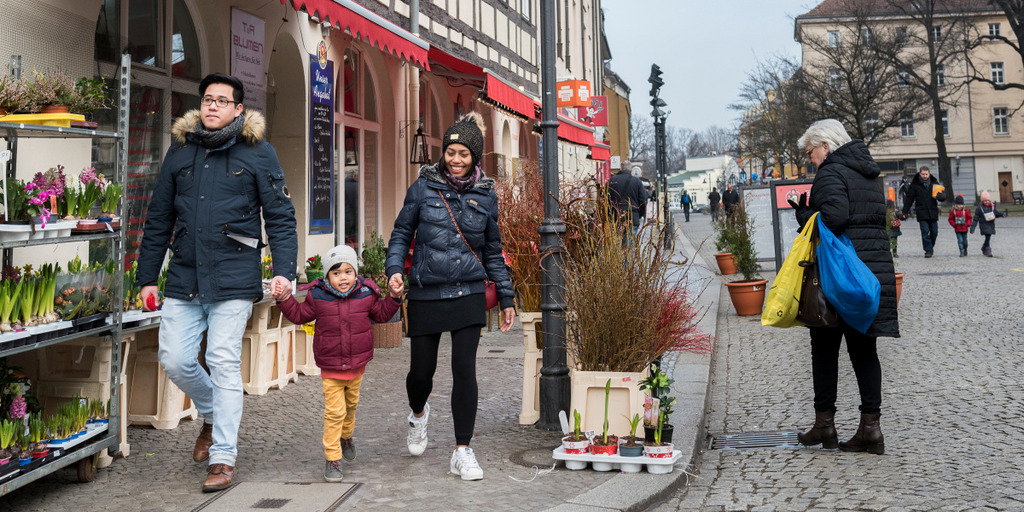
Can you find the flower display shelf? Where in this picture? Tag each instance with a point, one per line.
(62, 120)
(65, 445)
(9, 469)
(97, 227)
(137, 318)
(617, 462)
(84, 323)
(15, 232)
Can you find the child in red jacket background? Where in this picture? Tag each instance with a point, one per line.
(343, 304)
(960, 219)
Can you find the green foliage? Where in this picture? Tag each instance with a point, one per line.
(736, 230)
(658, 385)
(90, 94)
(577, 419)
(13, 96)
(657, 431)
(18, 207)
(111, 198)
(633, 423)
(8, 432)
(607, 394)
(374, 255)
(51, 88)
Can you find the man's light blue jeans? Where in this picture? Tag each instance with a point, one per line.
(218, 394)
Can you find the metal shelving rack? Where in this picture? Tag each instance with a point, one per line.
(82, 455)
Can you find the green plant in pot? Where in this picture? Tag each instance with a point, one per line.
(13, 98)
(8, 432)
(90, 94)
(576, 442)
(658, 386)
(747, 294)
(606, 444)
(631, 448)
(37, 437)
(314, 268)
(53, 89)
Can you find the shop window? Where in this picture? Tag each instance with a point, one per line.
(350, 82)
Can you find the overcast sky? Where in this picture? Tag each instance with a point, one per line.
(704, 47)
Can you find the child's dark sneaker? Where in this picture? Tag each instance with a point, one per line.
(348, 449)
(332, 471)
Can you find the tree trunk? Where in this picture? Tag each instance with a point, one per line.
(945, 171)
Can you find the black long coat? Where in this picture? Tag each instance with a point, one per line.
(850, 199)
(919, 193)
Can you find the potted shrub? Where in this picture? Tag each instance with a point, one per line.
(90, 94)
(726, 265)
(576, 443)
(747, 294)
(389, 334)
(658, 386)
(51, 93)
(12, 95)
(645, 310)
(606, 444)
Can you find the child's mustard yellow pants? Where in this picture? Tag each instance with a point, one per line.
(340, 400)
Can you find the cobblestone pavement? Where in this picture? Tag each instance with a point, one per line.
(952, 392)
(279, 441)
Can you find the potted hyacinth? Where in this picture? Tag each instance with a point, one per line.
(605, 444)
(576, 443)
(92, 186)
(109, 201)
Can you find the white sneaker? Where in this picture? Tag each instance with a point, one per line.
(464, 464)
(417, 438)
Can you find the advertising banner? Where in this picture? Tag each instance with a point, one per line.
(321, 143)
(247, 57)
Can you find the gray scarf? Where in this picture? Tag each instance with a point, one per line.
(216, 138)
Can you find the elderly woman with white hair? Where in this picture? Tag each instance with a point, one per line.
(850, 200)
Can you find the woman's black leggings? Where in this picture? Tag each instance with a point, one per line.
(420, 381)
(825, 343)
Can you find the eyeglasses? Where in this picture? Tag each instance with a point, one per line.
(808, 152)
(221, 102)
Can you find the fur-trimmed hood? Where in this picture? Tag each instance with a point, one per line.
(432, 172)
(253, 130)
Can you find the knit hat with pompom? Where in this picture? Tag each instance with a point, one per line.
(468, 131)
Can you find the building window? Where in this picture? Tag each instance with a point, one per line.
(870, 79)
(872, 122)
(907, 127)
(940, 75)
(997, 72)
(835, 79)
(901, 35)
(945, 123)
(903, 78)
(993, 29)
(1001, 121)
(937, 33)
(833, 39)
(527, 8)
(866, 36)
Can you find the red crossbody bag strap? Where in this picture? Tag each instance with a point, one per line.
(490, 290)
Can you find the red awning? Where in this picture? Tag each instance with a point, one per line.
(454, 63)
(510, 97)
(369, 27)
(600, 152)
(573, 132)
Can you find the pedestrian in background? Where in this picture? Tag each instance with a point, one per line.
(847, 194)
(217, 153)
(894, 227)
(343, 305)
(452, 211)
(960, 219)
(628, 198)
(730, 199)
(713, 199)
(684, 199)
(924, 191)
(985, 217)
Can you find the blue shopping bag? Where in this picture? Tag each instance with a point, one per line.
(849, 285)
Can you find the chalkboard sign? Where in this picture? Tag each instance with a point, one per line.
(758, 203)
(321, 145)
(786, 226)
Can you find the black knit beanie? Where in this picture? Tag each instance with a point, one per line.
(959, 199)
(468, 131)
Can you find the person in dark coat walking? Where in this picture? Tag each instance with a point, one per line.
(850, 200)
(218, 178)
(987, 224)
(684, 199)
(924, 191)
(628, 197)
(343, 304)
(713, 199)
(452, 212)
(730, 199)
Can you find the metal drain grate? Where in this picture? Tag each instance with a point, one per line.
(751, 440)
(270, 503)
(942, 273)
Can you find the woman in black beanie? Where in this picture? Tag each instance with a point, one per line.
(452, 211)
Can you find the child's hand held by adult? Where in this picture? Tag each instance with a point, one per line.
(396, 286)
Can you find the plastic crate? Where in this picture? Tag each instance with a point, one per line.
(153, 399)
(625, 399)
(83, 359)
(304, 362)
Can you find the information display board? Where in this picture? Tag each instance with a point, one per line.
(786, 227)
(758, 202)
(321, 144)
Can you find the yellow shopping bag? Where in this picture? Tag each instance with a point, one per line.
(783, 299)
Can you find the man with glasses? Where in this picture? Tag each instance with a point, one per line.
(218, 177)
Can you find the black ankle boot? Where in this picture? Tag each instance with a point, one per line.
(868, 437)
(823, 432)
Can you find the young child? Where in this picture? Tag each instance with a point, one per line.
(893, 227)
(985, 216)
(343, 304)
(960, 219)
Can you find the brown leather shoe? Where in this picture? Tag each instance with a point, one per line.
(218, 477)
(203, 443)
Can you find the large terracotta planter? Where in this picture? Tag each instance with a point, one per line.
(725, 263)
(899, 287)
(747, 297)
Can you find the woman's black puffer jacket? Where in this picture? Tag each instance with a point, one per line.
(850, 199)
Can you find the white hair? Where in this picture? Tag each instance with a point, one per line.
(825, 130)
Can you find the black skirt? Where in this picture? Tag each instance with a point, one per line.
(436, 316)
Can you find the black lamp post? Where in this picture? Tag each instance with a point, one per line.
(660, 157)
(554, 375)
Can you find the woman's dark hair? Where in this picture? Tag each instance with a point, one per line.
(221, 78)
